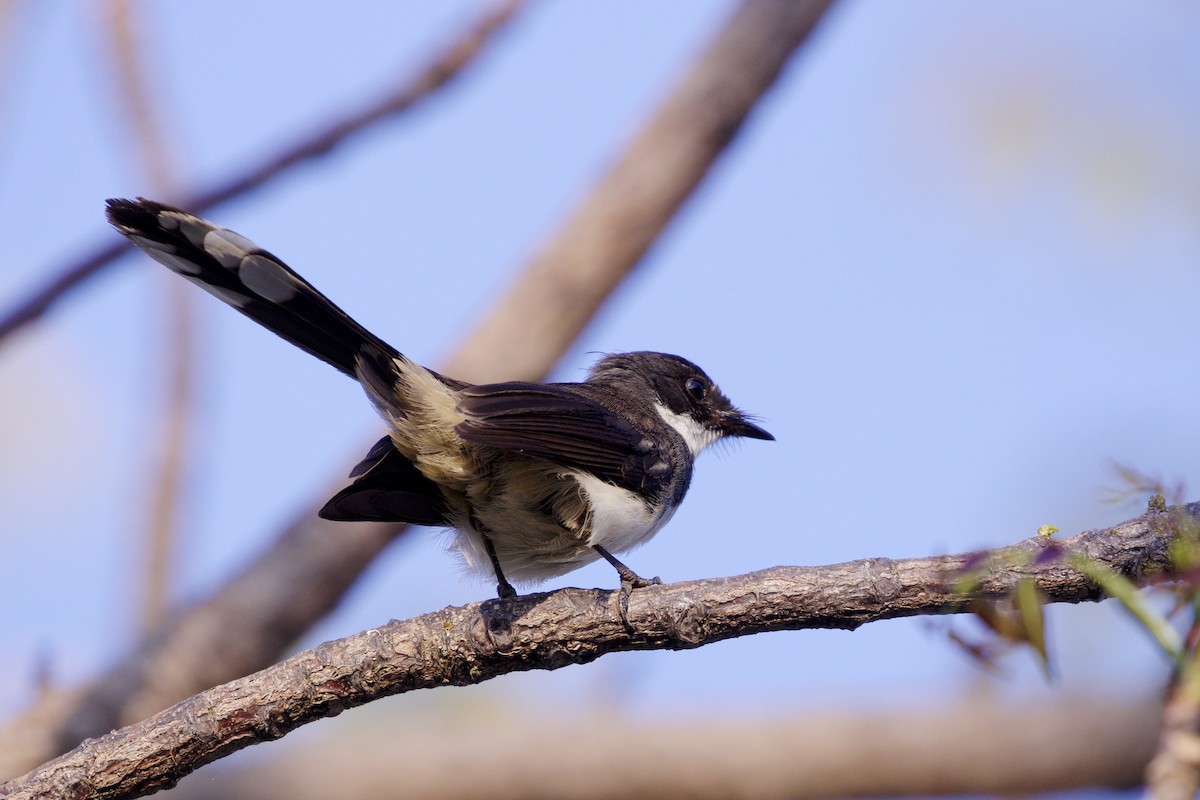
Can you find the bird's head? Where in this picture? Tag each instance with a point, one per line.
(684, 396)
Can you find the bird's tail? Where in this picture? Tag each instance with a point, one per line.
(251, 280)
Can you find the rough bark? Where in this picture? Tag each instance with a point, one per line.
(476, 642)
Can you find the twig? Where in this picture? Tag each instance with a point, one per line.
(149, 141)
(178, 352)
(440, 71)
(477, 642)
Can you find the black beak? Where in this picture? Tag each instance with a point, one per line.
(738, 425)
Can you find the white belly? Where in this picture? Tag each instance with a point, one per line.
(534, 546)
(620, 519)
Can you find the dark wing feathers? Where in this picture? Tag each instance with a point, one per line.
(517, 399)
(388, 488)
(565, 427)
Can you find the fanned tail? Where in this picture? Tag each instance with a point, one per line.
(387, 486)
(250, 279)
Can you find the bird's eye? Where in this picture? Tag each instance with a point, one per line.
(695, 388)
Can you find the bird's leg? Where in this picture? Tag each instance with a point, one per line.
(628, 576)
(503, 587)
(630, 580)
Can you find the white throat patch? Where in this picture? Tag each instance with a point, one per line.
(696, 435)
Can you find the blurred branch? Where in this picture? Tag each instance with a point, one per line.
(10, 23)
(178, 352)
(1174, 773)
(439, 72)
(477, 642)
(633, 202)
(150, 144)
(251, 619)
(977, 746)
(170, 444)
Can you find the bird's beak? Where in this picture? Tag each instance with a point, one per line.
(737, 425)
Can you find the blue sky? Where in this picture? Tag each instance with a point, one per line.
(951, 264)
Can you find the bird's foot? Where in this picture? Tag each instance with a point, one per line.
(630, 580)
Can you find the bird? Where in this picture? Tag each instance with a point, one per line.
(535, 479)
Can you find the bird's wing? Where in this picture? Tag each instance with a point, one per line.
(565, 427)
(387, 488)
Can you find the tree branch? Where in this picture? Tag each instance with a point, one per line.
(175, 428)
(632, 203)
(473, 643)
(1174, 773)
(937, 746)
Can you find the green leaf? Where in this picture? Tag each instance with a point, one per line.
(1127, 594)
(1028, 601)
